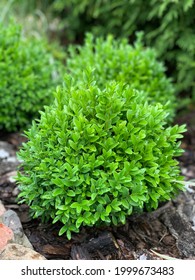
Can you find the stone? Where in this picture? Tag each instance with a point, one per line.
(11, 220)
(25, 242)
(15, 251)
(15, 191)
(2, 208)
(6, 234)
(3, 154)
(6, 150)
(8, 178)
(8, 159)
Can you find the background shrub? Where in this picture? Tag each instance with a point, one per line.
(117, 60)
(174, 39)
(98, 155)
(168, 27)
(118, 17)
(29, 75)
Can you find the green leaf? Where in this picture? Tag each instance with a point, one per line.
(125, 203)
(57, 192)
(154, 196)
(79, 222)
(56, 219)
(101, 200)
(103, 216)
(100, 208)
(114, 220)
(68, 234)
(129, 151)
(47, 195)
(115, 205)
(70, 193)
(93, 196)
(134, 197)
(122, 217)
(63, 230)
(108, 209)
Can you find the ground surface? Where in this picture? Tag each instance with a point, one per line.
(168, 232)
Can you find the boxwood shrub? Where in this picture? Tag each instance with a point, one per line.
(29, 75)
(168, 27)
(117, 60)
(97, 155)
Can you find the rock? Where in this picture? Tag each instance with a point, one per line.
(8, 178)
(3, 154)
(6, 149)
(6, 234)
(2, 208)
(25, 242)
(15, 251)
(8, 159)
(11, 220)
(15, 191)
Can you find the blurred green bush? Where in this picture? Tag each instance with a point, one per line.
(29, 75)
(168, 27)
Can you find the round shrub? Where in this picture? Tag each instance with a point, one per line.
(29, 75)
(98, 155)
(117, 60)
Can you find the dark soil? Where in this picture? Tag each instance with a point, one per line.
(168, 232)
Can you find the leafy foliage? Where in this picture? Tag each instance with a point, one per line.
(174, 39)
(168, 27)
(100, 17)
(117, 60)
(29, 75)
(97, 155)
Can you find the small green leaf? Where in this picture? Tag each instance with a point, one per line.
(63, 230)
(68, 234)
(134, 197)
(57, 192)
(108, 209)
(129, 151)
(114, 220)
(125, 203)
(79, 222)
(122, 217)
(71, 193)
(93, 196)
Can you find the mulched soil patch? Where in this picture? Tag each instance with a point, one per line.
(166, 232)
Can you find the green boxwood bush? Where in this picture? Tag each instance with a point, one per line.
(98, 155)
(29, 75)
(117, 60)
(168, 27)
